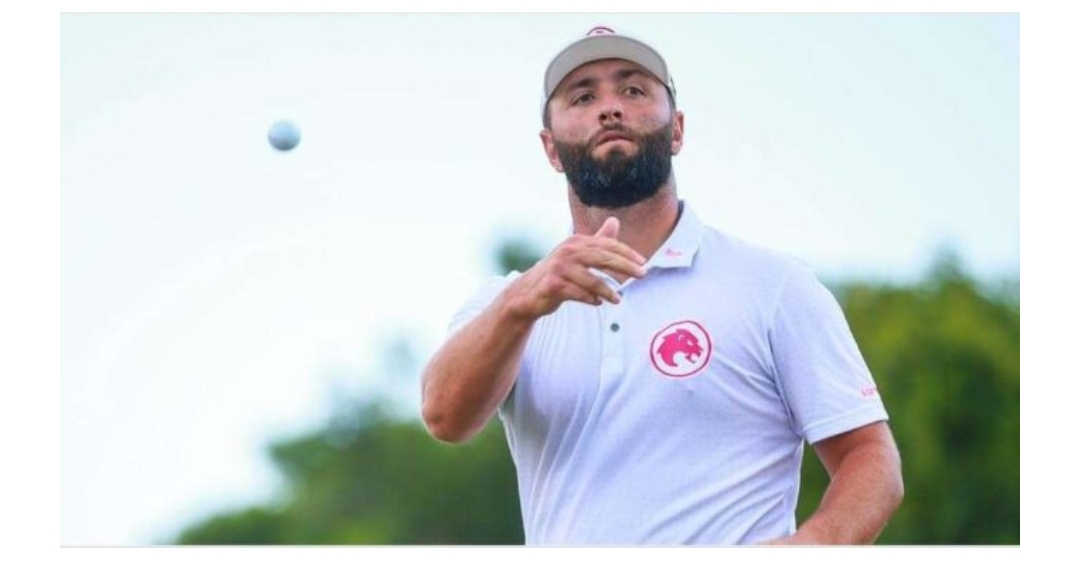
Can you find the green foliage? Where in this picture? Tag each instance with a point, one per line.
(516, 254)
(946, 358)
(368, 479)
(254, 526)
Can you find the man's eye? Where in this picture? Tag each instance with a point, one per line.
(581, 99)
(635, 91)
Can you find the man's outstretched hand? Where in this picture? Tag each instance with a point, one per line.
(564, 274)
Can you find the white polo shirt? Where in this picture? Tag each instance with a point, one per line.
(678, 416)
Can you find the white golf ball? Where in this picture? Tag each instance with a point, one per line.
(284, 135)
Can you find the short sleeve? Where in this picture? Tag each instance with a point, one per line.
(820, 372)
(480, 300)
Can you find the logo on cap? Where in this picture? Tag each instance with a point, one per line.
(681, 349)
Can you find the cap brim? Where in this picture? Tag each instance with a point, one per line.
(599, 47)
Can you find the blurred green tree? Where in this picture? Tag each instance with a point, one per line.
(946, 357)
(516, 254)
(369, 479)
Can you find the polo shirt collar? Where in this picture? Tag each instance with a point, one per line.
(679, 249)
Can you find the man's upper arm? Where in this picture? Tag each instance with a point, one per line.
(820, 372)
(833, 450)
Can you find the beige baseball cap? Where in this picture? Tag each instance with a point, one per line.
(602, 42)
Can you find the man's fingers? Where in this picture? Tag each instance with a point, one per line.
(613, 245)
(610, 229)
(616, 266)
(593, 285)
(575, 293)
(573, 269)
(618, 260)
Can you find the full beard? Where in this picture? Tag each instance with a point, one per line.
(618, 180)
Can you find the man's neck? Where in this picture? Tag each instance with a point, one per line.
(643, 226)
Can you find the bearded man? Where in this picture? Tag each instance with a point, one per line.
(657, 378)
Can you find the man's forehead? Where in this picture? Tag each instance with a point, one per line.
(606, 69)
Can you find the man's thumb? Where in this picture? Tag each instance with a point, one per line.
(610, 228)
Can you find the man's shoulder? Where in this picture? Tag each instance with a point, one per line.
(481, 297)
(747, 255)
(493, 285)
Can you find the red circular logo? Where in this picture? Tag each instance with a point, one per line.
(681, 349)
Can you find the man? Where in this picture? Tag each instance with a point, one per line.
(656, 377)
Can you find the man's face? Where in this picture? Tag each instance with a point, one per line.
(613, 132)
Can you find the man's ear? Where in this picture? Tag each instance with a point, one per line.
(548, 140)
(677, 133)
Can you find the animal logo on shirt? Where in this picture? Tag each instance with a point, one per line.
(681, 349)
(681, 341)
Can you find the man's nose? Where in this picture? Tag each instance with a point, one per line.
(611, 111)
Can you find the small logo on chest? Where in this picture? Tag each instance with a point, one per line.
(681, 349)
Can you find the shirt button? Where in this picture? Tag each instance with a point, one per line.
(614, 326)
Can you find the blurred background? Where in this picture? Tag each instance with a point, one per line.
(243, 328)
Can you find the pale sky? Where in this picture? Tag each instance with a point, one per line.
(215, 293)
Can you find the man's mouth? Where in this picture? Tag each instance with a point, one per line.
(612, 136)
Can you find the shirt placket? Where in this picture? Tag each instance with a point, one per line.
(613, 339)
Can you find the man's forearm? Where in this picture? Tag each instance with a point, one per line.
(472, 373)
(864, 492)
(865, 489)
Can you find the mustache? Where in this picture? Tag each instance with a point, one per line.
(616, 129)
